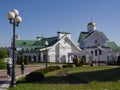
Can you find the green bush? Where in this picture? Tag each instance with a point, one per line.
(77, 61)
(49, 69)
(26, 61)
(67, 66)
(2, 64)
(19, 60)
(52, 68)
(38, 75)
(82, 61)
(34, 77)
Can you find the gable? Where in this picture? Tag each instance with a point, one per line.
(98, 34)
(66, 43)
(71, 44)
(95, 38)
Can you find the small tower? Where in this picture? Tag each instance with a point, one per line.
(91, 27)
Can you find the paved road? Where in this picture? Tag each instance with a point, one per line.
(4, 79)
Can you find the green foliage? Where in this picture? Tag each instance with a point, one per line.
(76, 61)
(20, 59)
(93, 76)
(3, 53)
(26, 61)
(2, 64)
(34, 77)
(67, 66)
(82, 61)
(49, 69)
(79, 61)
(38, 75)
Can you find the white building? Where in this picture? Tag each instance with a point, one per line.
(58, 49)
(95, 45)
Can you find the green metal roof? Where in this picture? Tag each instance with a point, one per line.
(34, 44)
(24, 42)
(63, 32)
(83, 35)
(87, 34)
(51, 41)
(113, 46)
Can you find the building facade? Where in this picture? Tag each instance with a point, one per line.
(95, 45)
(59, 49)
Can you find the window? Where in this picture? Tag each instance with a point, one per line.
(100, 52)
(91, 52)
(95, 52)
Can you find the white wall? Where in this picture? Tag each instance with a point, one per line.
(91, 41)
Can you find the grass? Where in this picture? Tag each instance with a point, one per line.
(76, 78)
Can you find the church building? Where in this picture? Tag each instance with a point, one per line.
(96, 46)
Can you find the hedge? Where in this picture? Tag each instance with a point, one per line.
(67, 66)
(38, 75)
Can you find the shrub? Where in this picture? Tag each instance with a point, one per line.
(67, 66)
(38, 75)
(2, 64)
(77, 62)
(52, 68)
(19, 60)
(26, 61)
(49, 69)
(34, 77)
(82, 62)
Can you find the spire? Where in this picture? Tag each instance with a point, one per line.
(91, 19)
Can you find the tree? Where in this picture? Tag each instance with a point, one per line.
(2, 64)
(19, 60)
(82, 61)
(3, 53)
(26, 60)
(76, 60)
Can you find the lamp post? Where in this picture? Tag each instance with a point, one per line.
(14, 19)
(46, 44)
(98, 50)
(91, 58)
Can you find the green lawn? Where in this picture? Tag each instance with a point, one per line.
(77, 78)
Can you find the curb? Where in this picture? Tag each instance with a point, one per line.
(5, 85)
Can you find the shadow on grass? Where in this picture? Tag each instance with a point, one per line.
(84, 77)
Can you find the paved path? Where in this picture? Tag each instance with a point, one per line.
(5, 81)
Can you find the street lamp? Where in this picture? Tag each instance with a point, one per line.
(46, 44)
(91, 58)
(14, 19)
(98, 50)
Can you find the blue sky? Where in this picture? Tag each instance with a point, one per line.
(49, 16)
